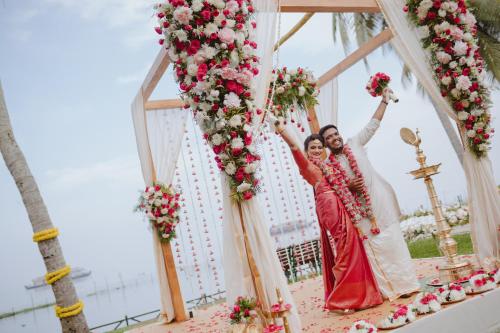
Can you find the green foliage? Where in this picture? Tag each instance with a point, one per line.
(428, 248)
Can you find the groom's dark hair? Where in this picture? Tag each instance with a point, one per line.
(326, 128)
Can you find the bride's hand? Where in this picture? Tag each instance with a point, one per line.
(278, 124)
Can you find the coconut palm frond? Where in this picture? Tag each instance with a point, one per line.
(489, 48)
(341, 25)
(487, 14)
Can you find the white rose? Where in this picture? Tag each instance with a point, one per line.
(235, 121)
(220, 124)
(197, 5)
(443, 57)
(453, 64)
(483, 147)
(423, 31)
(471, 133)
(468, 36)
(230, 168)
(214, 93)
(460, 48)
(243, 187)
(240, 38)
(463, 82)
(302, 91)
(446, 80)
(192, 69)
(248, 51)
(280, 90)
(217, 139)
(462, 115)
(211, 28)
(442, 13)
(181, 35)
(234, 58)
(455, 92)
(230, 23)
(172, 55)
(232, 100)
(210, 52)
(237, 143)
(183, 15)
(220, 4)
(477, 112)
(452, 6)
(251, 168)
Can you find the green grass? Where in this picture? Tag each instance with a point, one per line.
(428, 248)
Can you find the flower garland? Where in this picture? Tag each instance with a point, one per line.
(360, 201)
(296, 88)
(449, 31)
(402, 316)
(160, 203)
(211, 48)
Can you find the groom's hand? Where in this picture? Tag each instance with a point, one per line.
(356, 184)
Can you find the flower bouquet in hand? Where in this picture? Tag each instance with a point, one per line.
(377, 85)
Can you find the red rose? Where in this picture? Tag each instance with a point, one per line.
(247, 195)
(479, 131)
(239, 175)
(405, 9)
(431, 15)
(158, 30)
(202, 71)
(437, 4)
(486, 136)
(205, 14)
(248, 140)
(236, 151)
(477, 141)
(374, 84)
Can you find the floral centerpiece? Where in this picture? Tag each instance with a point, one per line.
(377, 84)
(426, 303)
(160, 204)
(402, 316)
(293, 89)
(449, 31)
(243, 310)
(450, 293)
(210, 46)
(362, 326)
(479, 283)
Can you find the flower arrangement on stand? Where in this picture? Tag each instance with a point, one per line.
(243, 311)
(377, 84)
(160, 204)
(479, 283)
(292, 90)
(211, 48)
(451, 293)
(449, 31)
(362, 326)
(402, 316)
(426, 303)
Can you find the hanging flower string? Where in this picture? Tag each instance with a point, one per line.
(160, 204)
(449, 31)
(211, 47)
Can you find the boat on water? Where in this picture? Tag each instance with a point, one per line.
(76, 273)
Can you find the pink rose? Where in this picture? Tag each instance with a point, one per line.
(226, 35)
(183, 15)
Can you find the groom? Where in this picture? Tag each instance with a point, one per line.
(385, 247)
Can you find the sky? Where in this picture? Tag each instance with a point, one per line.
(70, 70)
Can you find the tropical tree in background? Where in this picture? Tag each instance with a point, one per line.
(50, 249)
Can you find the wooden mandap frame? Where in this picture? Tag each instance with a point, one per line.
(309, 7)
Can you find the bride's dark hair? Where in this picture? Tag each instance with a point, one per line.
(313, 137)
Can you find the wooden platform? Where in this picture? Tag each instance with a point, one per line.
(308, 296)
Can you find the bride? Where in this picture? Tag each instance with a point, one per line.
(348, 279)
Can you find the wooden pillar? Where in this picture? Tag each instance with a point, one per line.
(173, 283)
(313, 120)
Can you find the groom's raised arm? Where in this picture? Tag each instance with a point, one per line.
(369, 130)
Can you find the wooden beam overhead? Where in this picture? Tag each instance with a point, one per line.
(163, 104)
(155, 73)
(329, 6)
(356, 56)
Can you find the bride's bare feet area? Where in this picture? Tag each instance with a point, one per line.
(343, 312)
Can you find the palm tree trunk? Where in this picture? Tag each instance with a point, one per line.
(64, 290)
(449, 128)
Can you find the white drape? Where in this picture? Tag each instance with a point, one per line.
(484, 201)
(328, 98)
(158, 136)
(236, 270)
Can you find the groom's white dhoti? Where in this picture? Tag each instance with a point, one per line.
(388, 253)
